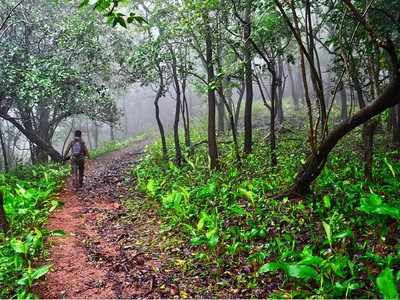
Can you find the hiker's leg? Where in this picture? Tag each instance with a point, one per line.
(81, 172)
(74, 169)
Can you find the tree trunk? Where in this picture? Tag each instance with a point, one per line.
(239, 104)
(185, 114)
(248, 130)
(315, 162)
(44, 132)
(368, 144)
(343, 102)
(212, 139)
(157, 112)
(280, 86)
(272, 134)
(178, 151)
(3, 218)
(395, 112)
(4, 151)
(112, 135)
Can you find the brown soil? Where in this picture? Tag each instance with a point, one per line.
(94, 260)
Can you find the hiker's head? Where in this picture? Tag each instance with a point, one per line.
(78, 133)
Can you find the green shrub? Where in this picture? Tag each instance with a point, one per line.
(28, 199)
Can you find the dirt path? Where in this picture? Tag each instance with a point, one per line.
(99, 258)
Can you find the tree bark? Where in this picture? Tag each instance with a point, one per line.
(395, 116)
(158, 119)
(3, 218)
(272, 134)
(178, 151)
(160, 93)
(185, 113)
(343, 102)
(4, 151)
(212, 139)
(248, 128)
(239, 103)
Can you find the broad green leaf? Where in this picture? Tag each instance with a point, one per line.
(373, 204)
(387, 285)
(328, 232)
(301, 271)
(19, 246)
(39, 272)
(270, 267)
(327, 201)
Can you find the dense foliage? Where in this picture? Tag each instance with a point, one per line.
(29, 198)
(339, 242)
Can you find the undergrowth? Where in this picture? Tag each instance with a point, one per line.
(341, 241)
(29, 197)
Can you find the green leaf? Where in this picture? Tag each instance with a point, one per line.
(270, 267)
(373, 204)
(312, 261)
(387, 285)
(39, 272)
(58, 233)
(327, 201)
(237, 210)
(301, 271)
(19, 246)
(344, 234)
(328, 232)
(390, 167)
(213, 241)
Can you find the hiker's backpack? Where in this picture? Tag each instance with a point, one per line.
(77, 149)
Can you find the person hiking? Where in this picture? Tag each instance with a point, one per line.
(78, 152)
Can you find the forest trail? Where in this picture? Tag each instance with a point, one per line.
(101, 256)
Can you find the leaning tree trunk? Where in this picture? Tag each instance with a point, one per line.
(34, 138)
(315, 162)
